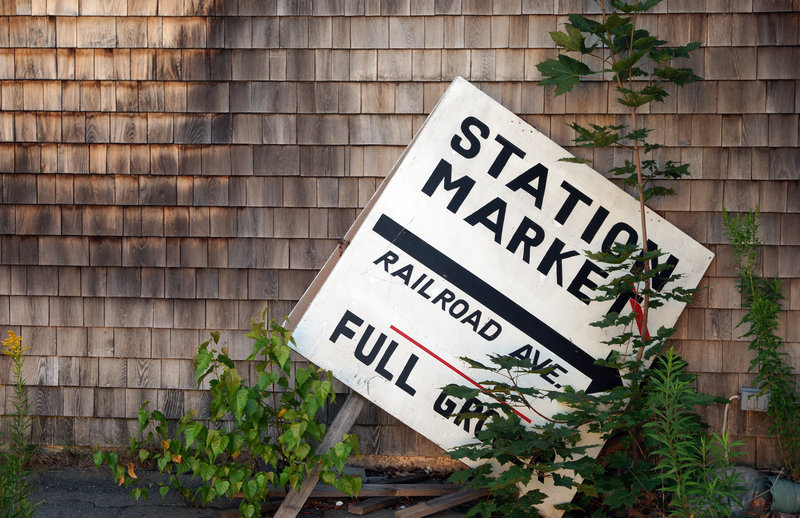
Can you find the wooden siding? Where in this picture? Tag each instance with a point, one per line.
(168, 167)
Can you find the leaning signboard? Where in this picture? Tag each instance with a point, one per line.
(474, 245)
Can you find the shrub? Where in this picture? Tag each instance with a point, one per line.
(271, 437)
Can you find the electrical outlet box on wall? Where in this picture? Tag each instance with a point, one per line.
(750, 399)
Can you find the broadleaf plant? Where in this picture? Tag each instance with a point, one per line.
(260, 437)
(636, 468)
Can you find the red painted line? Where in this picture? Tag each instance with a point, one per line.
(451, 367)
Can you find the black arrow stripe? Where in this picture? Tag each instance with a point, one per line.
(603, 378)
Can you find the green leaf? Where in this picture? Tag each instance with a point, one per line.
(282, 355)
(583, 23)
(679, 76)
(143, 416)
(302, 375)
(239, 402)
(206, 471)
(573, 40)
(576, 160)
(163, 491)
(302, 451)
(202, 361)
(563, 73)
(348, 484)
(628, 63)
(222, 487)
(214, 442)
(191, 432)
(265, 379)
(642, 6)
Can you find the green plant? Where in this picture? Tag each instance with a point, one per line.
(524, 453)
(637, 64)
(692, 468)
(269, 442)
(14, 473)
(761, 297)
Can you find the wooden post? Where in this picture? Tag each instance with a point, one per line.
(344, 420)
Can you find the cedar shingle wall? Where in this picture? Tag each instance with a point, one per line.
(168, 166)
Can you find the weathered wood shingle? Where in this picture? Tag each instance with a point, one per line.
(168, 166)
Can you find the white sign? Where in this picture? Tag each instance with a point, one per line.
(474, 245)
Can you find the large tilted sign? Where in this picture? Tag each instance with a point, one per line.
(474, 244)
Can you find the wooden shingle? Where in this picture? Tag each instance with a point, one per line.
(139, 159)
(179, 283)
(188, 314)
(97, 127)
(192, 129)
(777, 28)
(93, 190)
(143, 64)
(28, 310)
(755, 130)
(250, 64)
(238, 32)
(96, 31)
(27, 159)
(222, 222)
(247, 129)
(169, 65)
(131, 32)
(222, 314)
(730, 63)
(783, 130)
(122, 64)
(363, 65)
(741, 96)
(128, 128)
(279, 129)
(216, 160)
(379, 129)
(780, 96)
(260, 285)
(105, 252)
(294, 32)
(207, 97)
(783, 164)
(183, 32)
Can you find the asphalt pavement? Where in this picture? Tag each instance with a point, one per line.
(91, 493)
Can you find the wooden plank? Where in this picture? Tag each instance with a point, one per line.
(381, 502)
(441, 503)
(372, 504)
(371, 490)
(294, 501)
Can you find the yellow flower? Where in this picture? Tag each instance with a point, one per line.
(12, 346)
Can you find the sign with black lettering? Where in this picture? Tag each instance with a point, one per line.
(475, 245)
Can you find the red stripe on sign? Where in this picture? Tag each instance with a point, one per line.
(460, 373)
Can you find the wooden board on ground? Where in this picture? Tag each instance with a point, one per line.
(381, 502)
(441, 503)
(370, 490)
(372, 504)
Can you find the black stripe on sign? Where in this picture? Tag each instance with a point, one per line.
(495, 301)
